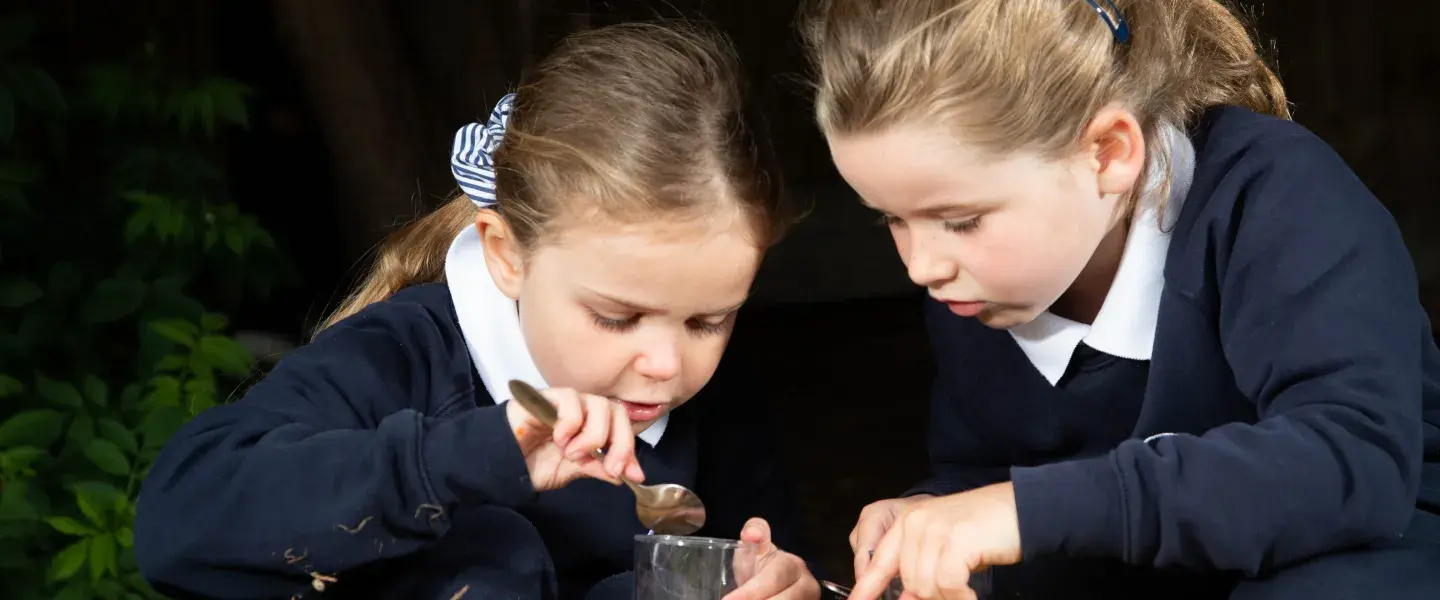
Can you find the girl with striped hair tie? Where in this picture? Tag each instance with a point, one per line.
(613, 214)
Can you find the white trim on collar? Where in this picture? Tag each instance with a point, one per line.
(1125, 326)
(491, 326)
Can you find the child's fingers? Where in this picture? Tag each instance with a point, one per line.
(883, 568)
(571, 414)
(621, 451)
(596, 430)
(756, 531)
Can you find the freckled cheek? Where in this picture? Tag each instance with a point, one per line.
(1004, 265)
(902, 243)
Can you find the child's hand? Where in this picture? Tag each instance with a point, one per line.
(586, 422)
(937, 543)
(875, 520)
(769, 572)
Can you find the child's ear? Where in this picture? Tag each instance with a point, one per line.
(1117, 147)
(502, 254)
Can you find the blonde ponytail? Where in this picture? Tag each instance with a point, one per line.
(412, 255)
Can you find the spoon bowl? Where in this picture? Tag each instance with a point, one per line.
(666, 508)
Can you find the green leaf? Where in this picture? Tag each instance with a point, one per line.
(160, 424)
(112, 430)
(109, 590)
(226, 354)
(69, 526)
(69, 560)
(63, 393)
(94, 499)
(20, 458)
(39, 428)
(138, 222)
(213, 322)
(171, 362)
(92, 507)
(82, 430)
(113, 299)
(228, 98)
(96, 390)
(15, 502)
(126, 537)
(201, 402)
(235, 242)
(166, 392)
(75, 590)
(106, 455)
(9, 386)
(16, 292)
(130, 396)
(102, 557)
(179, 331)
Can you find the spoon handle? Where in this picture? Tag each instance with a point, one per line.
(534, 403)
(540, 408)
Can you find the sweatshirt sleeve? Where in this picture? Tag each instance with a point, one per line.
(355, 448)
(1319, 319)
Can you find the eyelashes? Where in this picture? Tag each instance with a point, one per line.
(697, 327)
(965, 226)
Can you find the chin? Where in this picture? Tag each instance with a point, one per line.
(1005, 318)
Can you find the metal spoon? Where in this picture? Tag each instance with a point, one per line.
(666, 509)
(835, 588)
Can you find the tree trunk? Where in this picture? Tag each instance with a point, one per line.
(363, 94)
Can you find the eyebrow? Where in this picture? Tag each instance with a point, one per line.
(935, 211)
(638, 307)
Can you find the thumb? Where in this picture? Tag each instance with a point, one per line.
(594, 469)
(757, 531)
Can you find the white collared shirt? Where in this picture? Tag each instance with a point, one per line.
(1125, 325)
(490, 324)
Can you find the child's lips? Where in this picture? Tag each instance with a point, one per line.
(640, 412)
(966, 309)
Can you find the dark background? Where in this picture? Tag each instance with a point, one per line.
(357, 100)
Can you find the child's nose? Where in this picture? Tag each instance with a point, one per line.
(926, 267)
(659, 360)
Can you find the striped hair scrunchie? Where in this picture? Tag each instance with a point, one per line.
(472, 159)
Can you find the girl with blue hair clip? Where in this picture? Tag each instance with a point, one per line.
(1180, 346)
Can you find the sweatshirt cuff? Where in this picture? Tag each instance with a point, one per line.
(473, 458)
(1074, 508)
(935, 486)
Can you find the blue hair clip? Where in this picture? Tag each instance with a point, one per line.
(1117, 24)
(472, 159)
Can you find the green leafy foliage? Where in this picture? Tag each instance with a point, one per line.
(114, 339)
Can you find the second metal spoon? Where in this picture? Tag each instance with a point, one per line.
(666, 509)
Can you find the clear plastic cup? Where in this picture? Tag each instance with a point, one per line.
(693, 568)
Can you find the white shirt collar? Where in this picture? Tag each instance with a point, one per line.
(491, 326)
(1125, 326)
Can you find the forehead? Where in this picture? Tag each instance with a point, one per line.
(903, 168)
(695, 264)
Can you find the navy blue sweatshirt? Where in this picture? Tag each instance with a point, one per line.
(1292, 361)
(374, 455)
